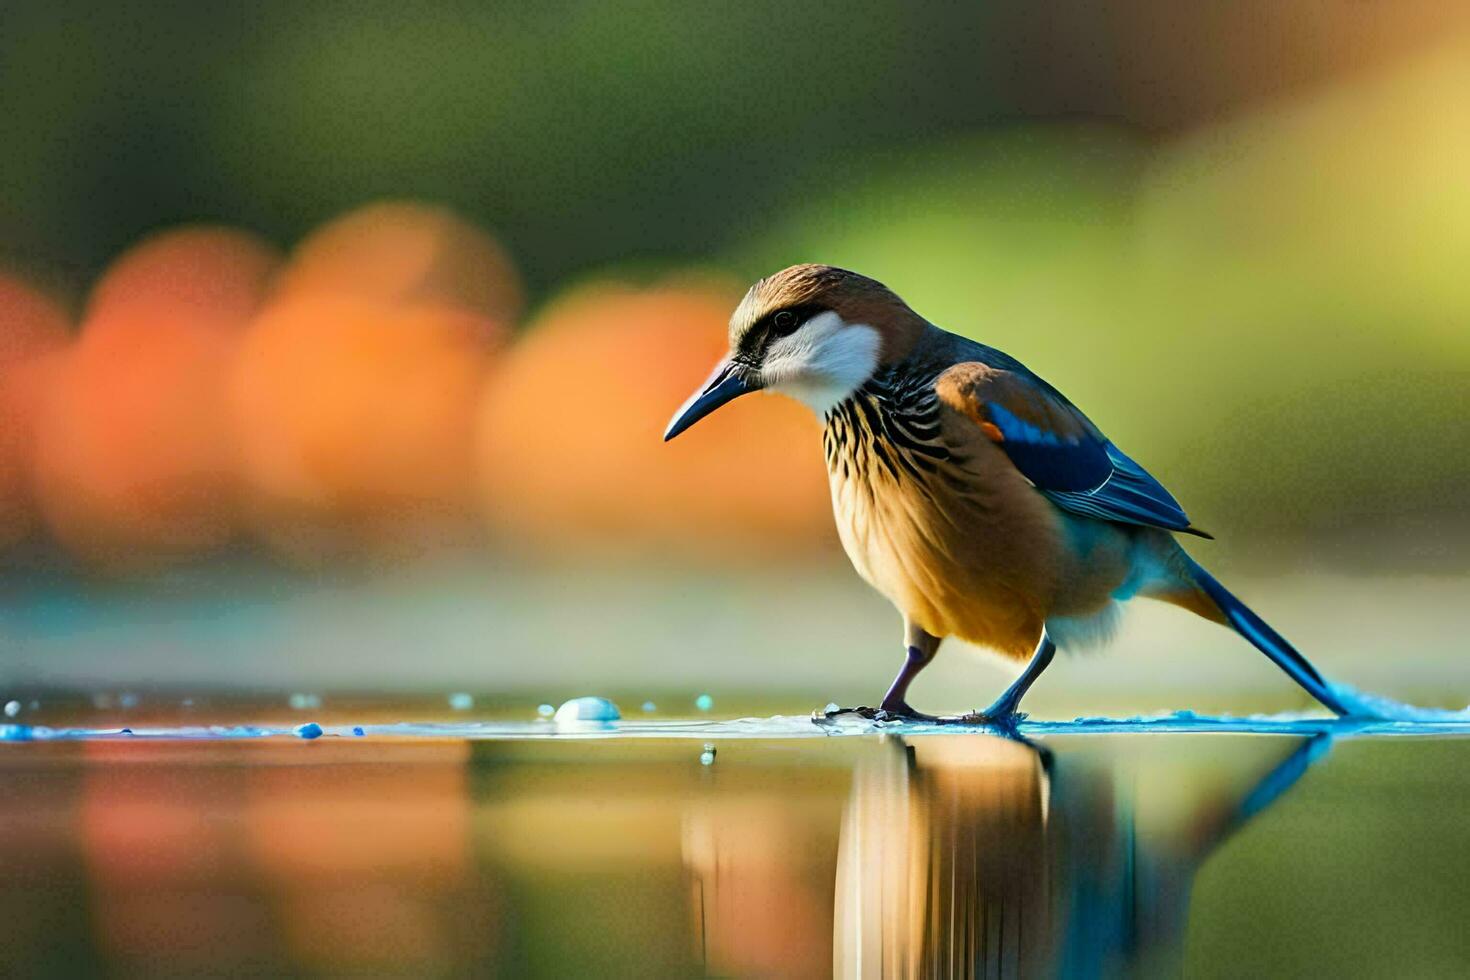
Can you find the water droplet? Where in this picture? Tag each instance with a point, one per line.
(12, 708)
(545, 710)
(357, 729)
(707, 757)
(127, 700)
(303, 701)
(126, 731)
(309, 730)
(832, 708)
(460, 701)
(704, 702)
(649, 706)
(587, 709)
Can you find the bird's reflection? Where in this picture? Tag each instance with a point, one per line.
(989, 857)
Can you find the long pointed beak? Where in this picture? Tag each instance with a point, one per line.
(725, 385)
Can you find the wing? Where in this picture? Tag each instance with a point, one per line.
(1058, 448)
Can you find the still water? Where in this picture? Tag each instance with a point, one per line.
(1070, 853)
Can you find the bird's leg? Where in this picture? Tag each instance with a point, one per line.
(922, 647)
(1005, 709)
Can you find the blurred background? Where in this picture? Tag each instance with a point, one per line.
(336, 341)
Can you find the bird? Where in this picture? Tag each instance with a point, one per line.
(966, 489)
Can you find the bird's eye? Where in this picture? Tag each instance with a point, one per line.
(784, 322)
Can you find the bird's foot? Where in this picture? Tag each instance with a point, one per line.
(887, 711)
(899, 710)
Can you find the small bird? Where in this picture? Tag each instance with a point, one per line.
(966, 489)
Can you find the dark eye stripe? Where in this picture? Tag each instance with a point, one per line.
(753, 345)
(785, 322)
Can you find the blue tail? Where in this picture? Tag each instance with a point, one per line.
(1265, 639)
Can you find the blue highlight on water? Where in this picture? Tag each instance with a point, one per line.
(587, 709)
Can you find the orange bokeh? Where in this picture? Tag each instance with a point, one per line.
(134, 463)
(33, 330)
(356, 421)
(204, 273)
(399, 252)
(132, 457)
(31, 322)
(571, 433)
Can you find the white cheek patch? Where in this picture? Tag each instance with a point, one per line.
(822, 362)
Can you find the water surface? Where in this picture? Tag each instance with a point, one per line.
(687, 847)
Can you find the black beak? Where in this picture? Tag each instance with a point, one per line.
(725, 385)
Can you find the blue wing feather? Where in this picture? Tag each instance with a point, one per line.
(1084, 473)
(1129, 494)
(1047, 459)
(1054, 445)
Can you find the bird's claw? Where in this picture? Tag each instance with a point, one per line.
(891, 713)
(1002, 721)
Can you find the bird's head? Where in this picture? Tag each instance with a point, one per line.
(813, 332)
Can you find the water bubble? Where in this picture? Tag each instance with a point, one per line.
(707, 757)
(309, 730)
(303, 701)
(545, 710)
(460, 701)
(704, 702)
(649, 706)
(587, 709)
(12, 708)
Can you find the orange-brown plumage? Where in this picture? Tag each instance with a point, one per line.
(969, 549)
